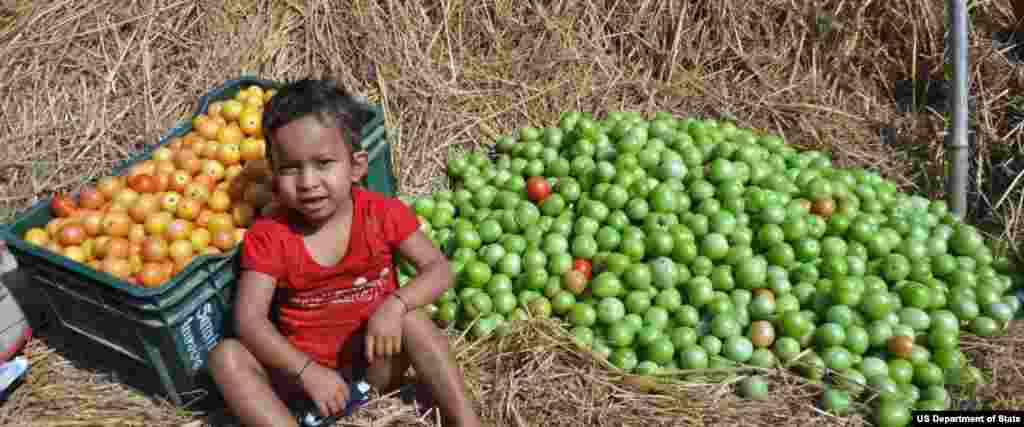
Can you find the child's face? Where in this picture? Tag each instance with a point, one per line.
(314, 169)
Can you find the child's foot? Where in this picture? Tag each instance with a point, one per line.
(419, 395)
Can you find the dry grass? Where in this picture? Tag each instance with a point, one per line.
(999, 358)
(510, 377)
(88, 82)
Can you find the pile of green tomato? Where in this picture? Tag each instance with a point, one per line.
(684, 243)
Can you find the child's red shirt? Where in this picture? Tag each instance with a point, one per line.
(319, 307)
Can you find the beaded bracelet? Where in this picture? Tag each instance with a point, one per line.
(401, 300)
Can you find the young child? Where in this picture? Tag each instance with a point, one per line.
(326, 260)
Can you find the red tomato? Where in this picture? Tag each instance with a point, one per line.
(584, 265)
(63, 206)
(537, 188)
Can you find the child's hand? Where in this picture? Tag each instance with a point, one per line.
(327, 389)
(384, 331)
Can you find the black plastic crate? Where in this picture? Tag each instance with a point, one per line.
(170, 329)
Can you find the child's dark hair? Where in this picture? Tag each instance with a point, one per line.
(329, 103)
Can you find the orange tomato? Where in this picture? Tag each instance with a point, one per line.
(210, 150)
(219, 201)
(117, 267)
(228, 154)
(162, 154)
(91, 198)
(135, 260)
(156, 224)
(216, 108)
(165, 167)
(100, 247)
(167, 268)
(200, 239)
(53, 227)
(204, 217)
(206, 126)
(251, 122)
(151, 275)
(179, 229)
(142, 183)
(223, 239)
(154, 249)
(198, 191)
(187, 160)
(117, 224)
(161, 182)
(179, 180)
(232, 109)
(137, 233)
(255, 91)
(126, 197)
(71, 235)
(254, 102)
(210, 250)
(192, 138)
(208, 180)
(221, 221)
(93, 223)
(89, 247)
(213, 168)
(230, 134)
(54, 247)
(108, 186)
(145, 167)
(37, 236)
(188, 208)
(252, 149)
(169, 201)
(175, 143)
(181, 250)
(146, 205)
(75, 253)
(118, 247)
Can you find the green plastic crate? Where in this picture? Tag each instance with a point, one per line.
(171, 329)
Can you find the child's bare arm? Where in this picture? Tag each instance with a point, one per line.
(433, 277)
(252, 323)
(255, 295)
(433, 272)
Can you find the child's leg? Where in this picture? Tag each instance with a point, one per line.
(427, 349)
(246, 386)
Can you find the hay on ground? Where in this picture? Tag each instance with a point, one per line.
(999, 358)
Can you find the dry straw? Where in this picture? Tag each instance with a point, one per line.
(88, 82)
